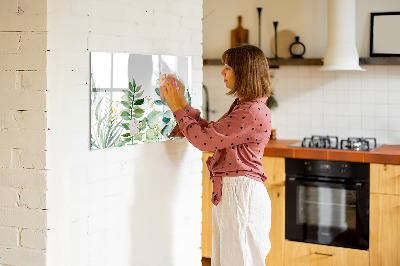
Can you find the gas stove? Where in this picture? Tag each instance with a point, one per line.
(332, 142)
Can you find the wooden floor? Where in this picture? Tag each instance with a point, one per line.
(206, 261)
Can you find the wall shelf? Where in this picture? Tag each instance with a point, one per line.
(274, 63)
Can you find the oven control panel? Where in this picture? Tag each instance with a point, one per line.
(337, 169)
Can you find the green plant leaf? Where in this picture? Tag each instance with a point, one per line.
(158, 91)
(122, 143)
(137, 115)
(168, 113)
(138, 95)
(139, 136)
(138, 88)
(126, 115)
(129, 94)
(126, 104)
(152, 118)
(139, 102)
(125, 125)
(126, 98)
(138, 111)
(158, 102)
(142, 124)
(150, 134)
(166, 120)
(126, 135)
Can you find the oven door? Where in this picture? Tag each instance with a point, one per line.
(327, 213)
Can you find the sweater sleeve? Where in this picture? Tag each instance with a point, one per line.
(229, 131)
(193, 113)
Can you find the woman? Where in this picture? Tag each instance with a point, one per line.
(242, 208)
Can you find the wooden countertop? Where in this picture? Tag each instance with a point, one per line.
(389, 154)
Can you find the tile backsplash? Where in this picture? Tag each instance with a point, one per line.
(314, 102)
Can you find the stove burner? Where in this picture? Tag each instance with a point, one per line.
(328, 142)
(358, 144)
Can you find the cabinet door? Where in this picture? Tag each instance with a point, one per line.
(277, 233)
(274, 168)
(206, 232)
(384, 230)
(304, 254)
(385, 178)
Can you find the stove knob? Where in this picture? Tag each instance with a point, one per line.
(343, 168)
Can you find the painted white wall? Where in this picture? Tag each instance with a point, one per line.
(137, 205)
(306, 19)
(23, 125)
(344, 103)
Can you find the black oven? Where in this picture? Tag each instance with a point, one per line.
(327, 202)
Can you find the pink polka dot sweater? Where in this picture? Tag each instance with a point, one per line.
(238, 139)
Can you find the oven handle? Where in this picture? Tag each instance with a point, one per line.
(357, 185)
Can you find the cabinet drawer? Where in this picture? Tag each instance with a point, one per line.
(304, 254)
(385, 178)
(274, 168)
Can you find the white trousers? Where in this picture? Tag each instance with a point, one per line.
(241, 223)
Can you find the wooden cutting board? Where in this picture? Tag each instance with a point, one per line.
(239, 35)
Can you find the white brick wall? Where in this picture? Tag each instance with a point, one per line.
(23, 126)
(137, 205)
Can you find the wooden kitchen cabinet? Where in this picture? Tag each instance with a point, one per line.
(274, 168)
(385, 178)
(384, 215)
(305, 254)
(206, 226)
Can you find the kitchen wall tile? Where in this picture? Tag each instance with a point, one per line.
(342, 122)
(381, 136)
(380, 84)
(329, 122)
(304, 72)
(368, 122)
(394, 110)
(355, 122)
(394, 71)
(381, 110)
(380, 71)
(329, 109)
(381, 123)
(291, 71)
(367, 109)
(355, 109)
(315, 72)
(367, 96)
(394, 123)
(342, 109)
(394, 136)
(328, 74)
(355, 96)
(367, 82)
(355, 132)
(303, 82)
(367, 133)
(292, 82)
(394, 82)
(381, 97)
(394, 97)
(342, 96)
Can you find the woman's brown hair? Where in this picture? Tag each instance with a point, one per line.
(250, 66)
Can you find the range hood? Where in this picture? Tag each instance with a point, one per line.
(341, 51)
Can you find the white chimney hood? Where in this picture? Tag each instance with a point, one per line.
(341, 51)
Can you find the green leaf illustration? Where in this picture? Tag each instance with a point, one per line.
(142, 124)
(138, 111)
(126, 104)
(128, 93)
(139, 102)
(150, 134)
(158, 91)
(137, 115)
(166, 120)
(168, 113)
(139, 136)
(158, 102)
(126, 126)
(153, 117)
(138, 95)
(126, 134)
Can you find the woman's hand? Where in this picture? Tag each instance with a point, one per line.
(180, 88)
(173, 94)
